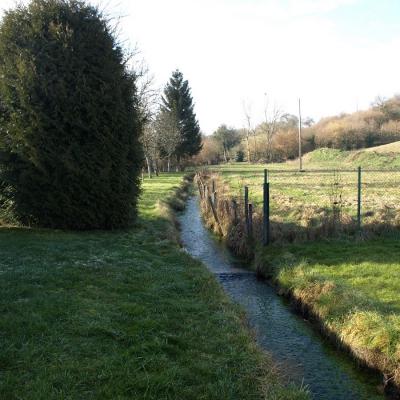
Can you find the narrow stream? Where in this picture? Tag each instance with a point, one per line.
(302, 354)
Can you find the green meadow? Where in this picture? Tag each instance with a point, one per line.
(349, 283)
(327, 184)
(122, 315)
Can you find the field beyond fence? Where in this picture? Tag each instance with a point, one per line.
(305, 205)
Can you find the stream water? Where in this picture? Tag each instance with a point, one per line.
(300, 352)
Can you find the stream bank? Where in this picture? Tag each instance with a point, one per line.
(303, 356)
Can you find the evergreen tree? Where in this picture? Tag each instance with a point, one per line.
(227, 138)
(177, 100)
(69, 150)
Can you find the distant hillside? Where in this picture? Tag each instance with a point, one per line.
(386, 156)
(386, 148)
(378, 125)
(276, 140)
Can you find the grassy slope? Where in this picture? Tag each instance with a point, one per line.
(121, 315)
(386, 157)
(386, 148)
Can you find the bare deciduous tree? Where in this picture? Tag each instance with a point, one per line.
(148, 102)
(249, 130)
(168, 134)
(270, 125)
(227, 138)
(150, 145)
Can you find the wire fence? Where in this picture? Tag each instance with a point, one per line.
(309, 204)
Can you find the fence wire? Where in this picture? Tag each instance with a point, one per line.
(325, 202)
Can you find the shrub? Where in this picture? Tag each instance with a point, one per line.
(239, 156)
(69, 128)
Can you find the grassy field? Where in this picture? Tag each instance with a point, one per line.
(122, 315)
(325, 193)
(351, 285)
(352, 288)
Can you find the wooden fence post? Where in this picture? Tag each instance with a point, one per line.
(250, 220)
(214, 193)
(214, 211)
(234, 207)
(200, 191)
(227, 208)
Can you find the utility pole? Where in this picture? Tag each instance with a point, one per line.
(300, 155)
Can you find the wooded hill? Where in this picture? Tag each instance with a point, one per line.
(276, 139)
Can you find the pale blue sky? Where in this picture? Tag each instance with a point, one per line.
(336, 55)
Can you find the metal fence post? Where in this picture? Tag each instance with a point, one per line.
(246, 207)
(359, 200)
(266, 227)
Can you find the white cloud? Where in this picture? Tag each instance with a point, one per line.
(307, 7)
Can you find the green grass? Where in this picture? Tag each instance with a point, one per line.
(386, 158)
(330, 178)
(353, 288)
(380, 157)
(122, 315)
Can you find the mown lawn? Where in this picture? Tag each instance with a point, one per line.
(354, 289)
(122, 315)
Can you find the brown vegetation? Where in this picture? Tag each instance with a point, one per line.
(308, 295)
(292, 219)
(276, 140)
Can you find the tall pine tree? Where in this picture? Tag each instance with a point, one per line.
(177, 99)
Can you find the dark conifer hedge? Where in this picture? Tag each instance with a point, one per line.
(69, 126)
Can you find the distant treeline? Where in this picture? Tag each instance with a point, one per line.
(276, 139)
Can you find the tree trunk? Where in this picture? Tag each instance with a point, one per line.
(255, 147)
(269, 147)
(225, 158)
(248, 148)
(155, 167)
(169, 164)
(148, 166)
